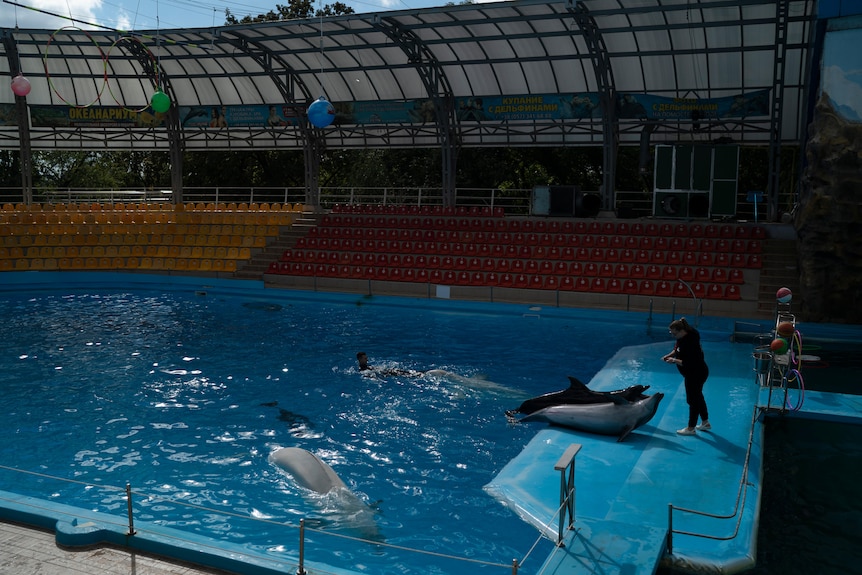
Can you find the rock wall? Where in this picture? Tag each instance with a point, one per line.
(829, 219)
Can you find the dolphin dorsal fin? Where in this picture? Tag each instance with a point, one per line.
(575, 383)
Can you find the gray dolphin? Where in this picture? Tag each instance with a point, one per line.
(607, 413)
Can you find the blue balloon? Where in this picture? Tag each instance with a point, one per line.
(321, 113)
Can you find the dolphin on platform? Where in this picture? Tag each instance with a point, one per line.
(310, 472)
(605, 412)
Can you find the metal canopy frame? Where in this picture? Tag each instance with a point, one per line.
(704, 49)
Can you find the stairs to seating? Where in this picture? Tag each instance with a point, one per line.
(258, 265)
(780, 269)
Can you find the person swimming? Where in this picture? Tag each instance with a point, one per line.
(362, 358)
(478, 382)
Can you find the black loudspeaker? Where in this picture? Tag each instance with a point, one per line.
(562, 200)
(671, 204)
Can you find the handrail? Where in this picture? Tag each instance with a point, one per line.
(741, 496)
(565, 464)
(698, 303)
(130, 530)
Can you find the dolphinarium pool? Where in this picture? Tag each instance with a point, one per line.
(183, 391)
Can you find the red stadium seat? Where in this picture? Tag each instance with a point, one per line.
(731, 292)
(647, 287)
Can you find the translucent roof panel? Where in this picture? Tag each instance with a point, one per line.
(492, 51)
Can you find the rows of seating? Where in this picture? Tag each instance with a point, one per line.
(596, 284)
(610, 257)
(112, 236)
(120, 263)
(425, 210)
(335, 221)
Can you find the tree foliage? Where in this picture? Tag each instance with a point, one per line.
(294, 10)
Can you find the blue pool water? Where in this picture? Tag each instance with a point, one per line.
(184, 394)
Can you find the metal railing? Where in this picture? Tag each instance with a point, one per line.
(287, 564)
(513, 201)
(739, 505)
(566, 466)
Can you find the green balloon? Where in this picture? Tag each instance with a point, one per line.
(160, 102)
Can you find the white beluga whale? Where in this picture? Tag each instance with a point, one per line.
(605, 412)
(312, 473)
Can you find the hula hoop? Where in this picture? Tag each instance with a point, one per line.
(786, 381)
(48, 74)
(152, 59)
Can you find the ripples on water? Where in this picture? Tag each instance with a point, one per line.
(186, 396)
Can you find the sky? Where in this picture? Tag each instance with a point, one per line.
(161, 14)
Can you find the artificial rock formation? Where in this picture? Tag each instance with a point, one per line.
(829, 219)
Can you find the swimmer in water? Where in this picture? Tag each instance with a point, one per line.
(362, 358)
(477, 382)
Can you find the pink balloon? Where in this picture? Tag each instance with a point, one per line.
(20, 85)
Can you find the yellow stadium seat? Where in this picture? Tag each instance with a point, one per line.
(206, 265)
(197, 252)
(146, 263)
(218, 265)
(98, 251)
(158, 263)
(85, 251)
(230, 265)
(138, 251)
(194, 264)
(170, 263)
(7, 265)
(51, 264)
(22, 264)
(91, 263)
(104, 263)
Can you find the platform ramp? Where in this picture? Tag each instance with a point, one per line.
(607, 549)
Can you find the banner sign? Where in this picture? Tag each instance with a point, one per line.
(8, 115)
(93, 116)
(473, 109)
(648, 107)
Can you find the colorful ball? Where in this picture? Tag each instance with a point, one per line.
(20, 85)
(785, 329)
(160, 102)
(784, 295)
(778, 345)
(321, 113)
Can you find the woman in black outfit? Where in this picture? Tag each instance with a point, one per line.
(687, 355)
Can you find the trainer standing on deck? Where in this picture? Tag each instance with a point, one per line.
(687, 355)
